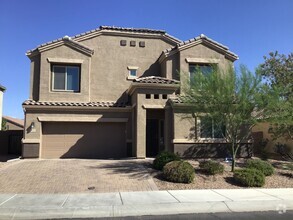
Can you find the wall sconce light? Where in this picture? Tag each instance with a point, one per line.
(32, 125)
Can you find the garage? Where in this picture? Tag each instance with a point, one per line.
(83, 140)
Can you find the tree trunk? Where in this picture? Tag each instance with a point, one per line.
(234, 152)
(233, 162)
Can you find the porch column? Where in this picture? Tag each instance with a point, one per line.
(140, 129)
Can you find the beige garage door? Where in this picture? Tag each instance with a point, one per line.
(83, 140)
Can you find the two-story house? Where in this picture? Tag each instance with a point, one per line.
(115, 92)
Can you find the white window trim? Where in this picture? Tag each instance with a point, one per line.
(202, 60)
(64, 90)
(130, 77)
(198, 123)
(64, 60)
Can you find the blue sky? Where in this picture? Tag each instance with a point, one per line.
(250, 28)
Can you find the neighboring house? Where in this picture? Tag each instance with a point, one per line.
(261, 132)
(2, 90)
(114, 92)
(11, 135)
(13, 123)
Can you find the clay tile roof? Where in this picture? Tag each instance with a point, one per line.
(17, 121)
(74, 39)
(140, 30)
(105, 104)
(182, 99)
(155, 80)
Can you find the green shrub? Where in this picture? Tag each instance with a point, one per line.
(266, 168)
(179, 172)
(249, 177)
(163, 158)
(212, 167)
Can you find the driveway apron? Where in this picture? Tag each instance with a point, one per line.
(75, 176)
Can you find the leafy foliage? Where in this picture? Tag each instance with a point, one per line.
(179, 172)
(3, 125)
(277, 70)
(265, 167)
(212, 167)
(236, 100)
(163, 158)
(249, 177)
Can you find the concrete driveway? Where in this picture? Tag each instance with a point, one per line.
(76, 176)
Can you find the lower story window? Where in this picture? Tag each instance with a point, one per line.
(210, 128)
(65, 78)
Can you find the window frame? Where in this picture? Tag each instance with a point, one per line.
(132, 68)
(198, 65)
(65, 86)
(198, 122)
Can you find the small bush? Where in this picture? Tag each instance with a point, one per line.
(178, 172)
(211, 167)
(266, 168)
(285, 151)
(163, 158)
(249, 177)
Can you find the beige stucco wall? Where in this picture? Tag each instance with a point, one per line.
(184, 127)
(64, 52)
(170, 67)
(106, 68)
(264, 127)
(35, 77)
(203, 52)
(142, 104)
(110, 62)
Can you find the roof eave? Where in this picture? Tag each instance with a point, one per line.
(135, 86)
(202, 39)
(65, 41)
(98, 31)
(70, 108)
(2, 88)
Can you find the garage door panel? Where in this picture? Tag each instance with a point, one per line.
(83, 140)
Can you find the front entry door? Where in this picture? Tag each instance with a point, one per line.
(152, 137)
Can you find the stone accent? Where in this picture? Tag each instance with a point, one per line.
(30, 150)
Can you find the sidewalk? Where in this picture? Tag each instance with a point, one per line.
(45, 206)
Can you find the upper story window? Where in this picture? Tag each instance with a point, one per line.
(132, 72)
(205, 69)
(66, 78)
(209, 129)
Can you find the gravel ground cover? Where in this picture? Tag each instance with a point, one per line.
(282, 178)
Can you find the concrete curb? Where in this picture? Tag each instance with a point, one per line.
(123, 204)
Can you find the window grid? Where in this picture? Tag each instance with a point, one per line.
(65, 83)
(213, 130)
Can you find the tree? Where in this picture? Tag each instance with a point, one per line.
(3, 125)
(233, 100)
(277, 71)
